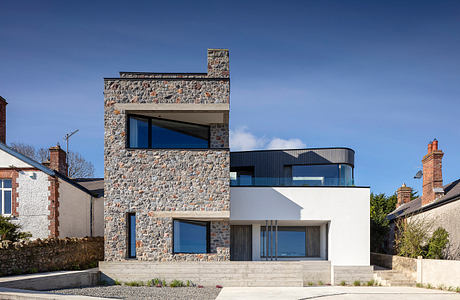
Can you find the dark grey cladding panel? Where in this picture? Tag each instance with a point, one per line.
(269, 163)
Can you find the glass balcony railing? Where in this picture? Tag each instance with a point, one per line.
(295, 181)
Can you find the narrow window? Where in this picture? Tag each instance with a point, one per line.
(191, 236)
(131, 235)
(138, 132)
(5, 188)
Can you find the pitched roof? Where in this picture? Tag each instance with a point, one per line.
(451, 193)
(44, 169)
(95, 185)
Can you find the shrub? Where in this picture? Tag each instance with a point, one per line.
(343, 283)
(154, 282)
(371, 282)
(412, 236)
(320, 283)
(310, 283)
(419, 285)
(429, 286)
(437, 243)
(11, 232)
(356, 283)
(177, 283)
(116, 282)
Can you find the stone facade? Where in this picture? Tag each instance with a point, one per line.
(147, 181)
(49, 255)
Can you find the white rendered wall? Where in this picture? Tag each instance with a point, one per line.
(7, 161)
(74, 211)
(33, 203)
(98, 217)
(346, 209)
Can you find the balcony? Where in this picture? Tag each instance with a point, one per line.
(289, 181)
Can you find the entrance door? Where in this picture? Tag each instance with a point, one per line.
(241, 242)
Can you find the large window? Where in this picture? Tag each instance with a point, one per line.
(5, 189)
(131, 235)
(322, 175)
(241, 176)
(289, 241)
(191, 236)
(160, 133)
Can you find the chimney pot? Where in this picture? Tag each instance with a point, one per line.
(435, 144)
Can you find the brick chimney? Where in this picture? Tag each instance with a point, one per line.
(218, 63)
(58, 160)
(432, 173)
(3, 104)
(404, 195)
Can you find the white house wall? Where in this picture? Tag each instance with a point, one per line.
(74, 211)
(346, 210)
(7, 160)
(33, 202)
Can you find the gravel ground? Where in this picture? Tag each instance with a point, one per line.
(144, 292)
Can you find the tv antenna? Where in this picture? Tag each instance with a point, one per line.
(66, 138)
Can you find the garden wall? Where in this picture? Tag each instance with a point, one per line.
(50, 255)
(435, 272)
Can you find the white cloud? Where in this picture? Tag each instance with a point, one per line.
(277, 143)
(241, 139)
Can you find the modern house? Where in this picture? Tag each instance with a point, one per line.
(439, 203)
(42, 198)
(179, 205)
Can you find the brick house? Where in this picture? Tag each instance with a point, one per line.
(42, 198)
(179, 205)
(439, 203)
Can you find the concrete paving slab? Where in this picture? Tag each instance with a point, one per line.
(333, 293)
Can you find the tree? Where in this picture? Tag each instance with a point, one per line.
(40, 154)
(79, 167)
(11, 232)
(380, 206)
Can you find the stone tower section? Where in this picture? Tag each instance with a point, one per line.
(167, 159)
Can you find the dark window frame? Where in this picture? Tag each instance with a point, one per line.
(262, 229)
(128, 216)
(149, 119)
(208, 235)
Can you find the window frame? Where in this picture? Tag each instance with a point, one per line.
(149, 129)
(129, 236)
(2, 195)
(264, 233)
(208, 235)
(325, 164)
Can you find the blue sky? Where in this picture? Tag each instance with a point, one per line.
(381, 77)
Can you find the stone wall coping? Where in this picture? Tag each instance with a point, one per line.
(173, 107)
(5, 245)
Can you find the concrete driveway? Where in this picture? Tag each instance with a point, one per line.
(333, 293)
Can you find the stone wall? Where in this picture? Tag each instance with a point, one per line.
(403, 264)
(49, 255)
(146, 181)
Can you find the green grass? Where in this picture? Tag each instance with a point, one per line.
(419, 285)
(134, 283)
(154, 282)
(177, 283)
(371, 282)
(429, 286)
(343, 283)
(116, 282)
(356, 283)
(457, 289)
(320, 283)
(310, 283)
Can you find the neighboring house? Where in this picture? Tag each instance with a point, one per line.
(439, 204)
(41, 198)
(174, 192)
